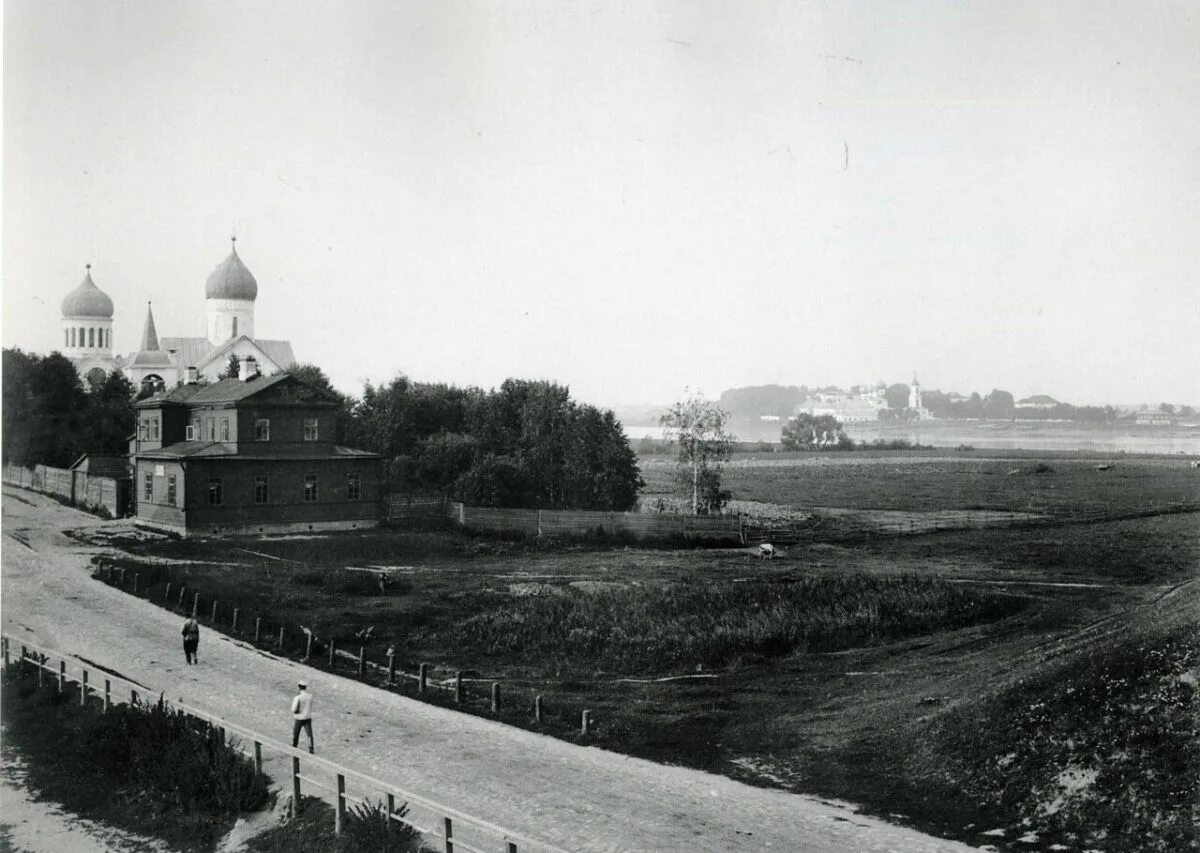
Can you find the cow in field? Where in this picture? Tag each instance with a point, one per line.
(766, 551)
(1196, 463)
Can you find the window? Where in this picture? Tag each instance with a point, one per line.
(224, 429)
(310, 429)
(148, 487)
(210, 429)
(190, 432)
(72, 336)
(91, 337)
(143, 429)
(214, 492)
(154, 429)
(353, 487)
(234, 335)
(171, 489)
(66, 337)
(262, 429)
(262, 489)
(310, 488)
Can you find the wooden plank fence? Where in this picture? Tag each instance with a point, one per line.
(452, 830)
(75, 487)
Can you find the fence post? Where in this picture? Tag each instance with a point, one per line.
(331, 653)
(107, 695)
(449, 836)
(539, 522)
(62, 675)
(391, 667)
(741, 530)
(4, 644)
(307, 644)
(295, 786)
(257, 758)
(137, 576)
(195, 605)
(83, 689)
(586, 722)
(340, 814)
(122, 577)
(281, 636)
(362, 662)
(214, 613)
(257, 628)
(167, 594)
(235, 620)
(537, 709)
(423, 681)
(458, 694)
(495, 697)
(391, 808)
(41, 665)
(182, 594)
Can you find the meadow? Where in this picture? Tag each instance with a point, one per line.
(900, 673)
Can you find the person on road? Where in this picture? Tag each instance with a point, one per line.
(191, 639)
(302, 715)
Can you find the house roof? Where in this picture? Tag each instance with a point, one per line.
(228, 391)
(196, 352)
(114, 465)
(1038, 400)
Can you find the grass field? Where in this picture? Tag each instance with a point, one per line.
(858, 671)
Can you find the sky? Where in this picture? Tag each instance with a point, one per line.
(633, 199)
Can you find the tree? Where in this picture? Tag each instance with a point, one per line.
(697, 428)
(110, 414)
(233, 368)
(998, 405)
(897, 396)
(813, 432)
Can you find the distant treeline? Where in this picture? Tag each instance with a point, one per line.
(752, 402)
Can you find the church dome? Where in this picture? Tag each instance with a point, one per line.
(231, 280)
(87, 300)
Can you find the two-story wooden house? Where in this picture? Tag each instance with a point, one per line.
(248, 456)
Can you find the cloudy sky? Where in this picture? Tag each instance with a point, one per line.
(629, 198)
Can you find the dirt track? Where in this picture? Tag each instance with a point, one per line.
(574, 797)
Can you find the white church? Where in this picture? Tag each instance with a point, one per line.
(87, 319)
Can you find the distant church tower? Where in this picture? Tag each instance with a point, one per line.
(230, 294)
(914, 395)
(87, 318)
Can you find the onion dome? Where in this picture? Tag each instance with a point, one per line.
(87, 300)
(231, 280)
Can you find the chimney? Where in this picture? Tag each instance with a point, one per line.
(248, 370)
(193, 375)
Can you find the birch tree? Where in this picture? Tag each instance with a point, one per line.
(696, 427)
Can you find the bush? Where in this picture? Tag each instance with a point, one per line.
(369, 828)
(144, 768)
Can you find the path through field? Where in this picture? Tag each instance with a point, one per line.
(577, 798)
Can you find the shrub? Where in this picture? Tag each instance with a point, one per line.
(368, 827)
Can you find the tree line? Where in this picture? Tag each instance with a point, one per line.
(525, 444)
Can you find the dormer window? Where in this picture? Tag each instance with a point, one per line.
(262, 429)
(310, 429)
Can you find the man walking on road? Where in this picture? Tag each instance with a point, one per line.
(302, 715)
(191, 639)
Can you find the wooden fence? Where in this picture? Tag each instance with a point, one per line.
(75, 487)
(452, 830)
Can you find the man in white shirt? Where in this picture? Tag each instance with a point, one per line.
(302, 715)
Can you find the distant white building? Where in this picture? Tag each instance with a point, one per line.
(1154, 419)
(863, 407)
(915, 406)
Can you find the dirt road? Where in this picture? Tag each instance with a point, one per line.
(576, 798)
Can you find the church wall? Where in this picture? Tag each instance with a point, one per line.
(229, 318)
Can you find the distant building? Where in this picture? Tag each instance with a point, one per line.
(1037, 401)
(1154, 419)
(863, 407)
(249, 455)
(915, 407)
(230, 293)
